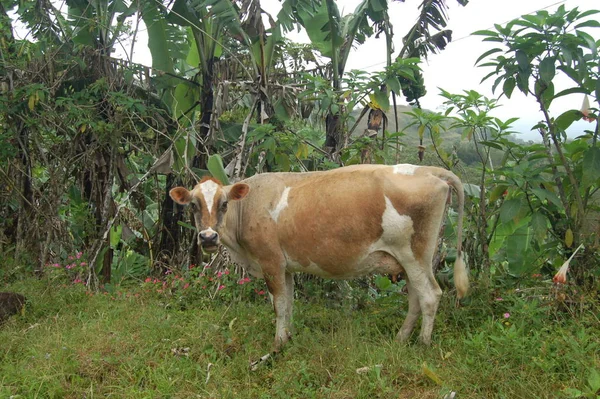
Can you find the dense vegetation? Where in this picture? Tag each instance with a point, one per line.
(90, 146)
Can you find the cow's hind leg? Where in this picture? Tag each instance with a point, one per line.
(289, 292)
(428, 294)
(429, 307)
(414, 311)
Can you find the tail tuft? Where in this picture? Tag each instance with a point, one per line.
(461, 278)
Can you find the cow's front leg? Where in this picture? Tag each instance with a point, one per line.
(282, 295)
(281, 288)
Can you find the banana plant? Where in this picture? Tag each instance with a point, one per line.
(98, 24)
(334, 36)
(212, 27)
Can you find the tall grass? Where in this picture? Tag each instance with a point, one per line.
(140, 343)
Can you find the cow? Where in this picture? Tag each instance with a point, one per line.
(340, 224)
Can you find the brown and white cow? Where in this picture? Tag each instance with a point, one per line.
(342, 223)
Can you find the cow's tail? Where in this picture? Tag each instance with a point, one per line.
(461, 278)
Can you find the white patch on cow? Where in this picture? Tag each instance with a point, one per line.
(394, 224)
(397, 233)
(209, 190)
(281, 205)
(405, 169)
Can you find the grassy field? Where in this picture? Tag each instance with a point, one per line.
(142, 342)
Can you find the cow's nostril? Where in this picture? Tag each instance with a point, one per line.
(209, 237)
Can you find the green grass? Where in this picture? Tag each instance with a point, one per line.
(69, 344)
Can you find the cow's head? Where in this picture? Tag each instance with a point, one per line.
(209, 204)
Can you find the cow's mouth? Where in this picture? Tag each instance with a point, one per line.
(210, 248)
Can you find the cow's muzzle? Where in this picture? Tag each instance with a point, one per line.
(209, 240)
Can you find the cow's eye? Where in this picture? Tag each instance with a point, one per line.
(224, 206)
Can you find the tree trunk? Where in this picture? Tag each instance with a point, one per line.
(24, 222)
(206, 109)
(105, 208)
(333, 135)
(170, 231)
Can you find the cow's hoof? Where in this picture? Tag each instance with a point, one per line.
(257, 363)
(403, 338)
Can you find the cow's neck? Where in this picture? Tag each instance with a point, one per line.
(230, 233)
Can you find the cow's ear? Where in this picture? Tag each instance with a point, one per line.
(181, 195)
(238, 191)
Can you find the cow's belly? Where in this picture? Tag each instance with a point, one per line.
(375, 262)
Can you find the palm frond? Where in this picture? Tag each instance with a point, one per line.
(420, 41)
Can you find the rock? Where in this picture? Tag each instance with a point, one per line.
(10, 303)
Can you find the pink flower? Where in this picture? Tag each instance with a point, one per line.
(499, 299)
(226, 271)
(185, 287)
(79, 255)
(261, 292)
(56, 265)
(219, 274)
(83, 264)
(147, 280)
(506, 315)
(221, 287)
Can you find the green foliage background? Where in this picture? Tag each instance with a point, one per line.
(91, 145)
